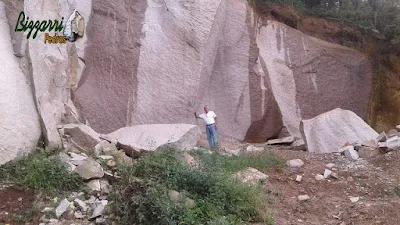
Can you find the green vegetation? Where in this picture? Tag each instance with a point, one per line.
(236, 163)
(24, 217)
(141, 197)
(40, 171)
(380, 15)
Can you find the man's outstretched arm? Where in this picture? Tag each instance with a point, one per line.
(196, 116)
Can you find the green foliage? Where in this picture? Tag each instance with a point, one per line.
(39, 170)
(381, 15)
(296, 4)
(24, 217)
(236, 163)
(141, 197)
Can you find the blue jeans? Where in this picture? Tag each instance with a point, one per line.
(212, 136)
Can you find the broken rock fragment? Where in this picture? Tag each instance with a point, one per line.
(295, 163)
(62, 207)
(351, 153)
(367, 152)
(251, 176)
(281, 141)
(302, 198)
(84, 137)
(90, 169)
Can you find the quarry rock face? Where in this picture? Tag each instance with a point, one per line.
(53, 68)
(155, 62)
(19, 120)
(257, 76)
(309, 76)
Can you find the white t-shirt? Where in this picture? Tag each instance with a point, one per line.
(209, 117)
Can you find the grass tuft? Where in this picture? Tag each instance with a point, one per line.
(40, 171)
(141, 197)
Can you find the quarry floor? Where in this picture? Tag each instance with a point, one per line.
(374, 181)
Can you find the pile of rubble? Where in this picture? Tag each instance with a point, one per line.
(384, 143)
(98, 172)
(95, 158)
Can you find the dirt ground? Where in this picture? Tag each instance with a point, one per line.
(13, 202)
(375, 181)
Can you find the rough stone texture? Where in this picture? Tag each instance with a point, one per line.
(105, 186)
(203, 50)
(152, 136)
(251, 176)
(93, 186)
(120, 157)
(104, 147)
(82, 205)
(367, 152)
(299, 145)
(99, 209)
(392, 133)
(309, 76)
(393, 143)
(54, 68)
(370, 143)
(252, 148)
(319, 177)
(281, 141)
(107, 89)
(331, 130)
(382, 137)
(302, 198)
(89, 169)
(62, 207)
(19, 121)
(13, 8)
(84, 137)
(295, 163)
(351, 153)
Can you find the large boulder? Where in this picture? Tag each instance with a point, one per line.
(330, 131)
(19, 120)
(152, 136)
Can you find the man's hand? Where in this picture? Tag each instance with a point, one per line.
(216, 127)
(195, 115)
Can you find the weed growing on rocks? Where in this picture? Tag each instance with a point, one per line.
(40, 171)
(143, 195)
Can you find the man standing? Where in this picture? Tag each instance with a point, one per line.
(210, 119)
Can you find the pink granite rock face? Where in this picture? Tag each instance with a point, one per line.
(150, 62)
(107, 88)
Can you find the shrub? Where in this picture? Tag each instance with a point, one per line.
(39, 170)
(141, 197)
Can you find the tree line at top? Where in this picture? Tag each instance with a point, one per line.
(379, 15)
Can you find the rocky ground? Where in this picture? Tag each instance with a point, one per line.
(354, 191)
(365, 192)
